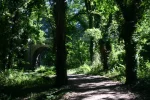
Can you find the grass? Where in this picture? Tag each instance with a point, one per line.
(117, 74)
(84, 69)
(14, 77)
(29, 85)
(38, 85)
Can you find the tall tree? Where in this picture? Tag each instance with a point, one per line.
(103, 18)
(105, 45)
(132, 11)
(17, 19)
(89, 8)
(60, 20)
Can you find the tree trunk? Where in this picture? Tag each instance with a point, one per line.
(4, 57)
(4, 61)
(91, 39)
(104, 55)
(131, 62)
(91, 49)
(61, 71)
(9, 65)
(130, 50)
(132, 13)
(90, 16)
(130, 56)
(105, 62)
(105, 45)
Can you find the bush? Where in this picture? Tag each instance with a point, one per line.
(46, 70)
(144, 69)
(13, 77)
(84, 69)
(77, 53)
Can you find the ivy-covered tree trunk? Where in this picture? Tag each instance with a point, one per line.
(61, 71)
(132, 13)
(104, 51)
(105, 45)
(90, 16)
(91, 39)
(91, 49)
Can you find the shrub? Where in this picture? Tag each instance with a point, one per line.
(46, 70)
(84, 69)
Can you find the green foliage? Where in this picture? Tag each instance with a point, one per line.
(29, 84)
(117, 73)
(117, 56)
(143, 70)
(96, 59)
(25, 22)
(19, 22)
(84, 69)
(77, 53)
(95, 70)
(45, 70)
(13, 77)
(95, 33)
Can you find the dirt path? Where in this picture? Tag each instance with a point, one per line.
(84, 87)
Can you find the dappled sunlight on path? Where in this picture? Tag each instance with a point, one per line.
(85, 87)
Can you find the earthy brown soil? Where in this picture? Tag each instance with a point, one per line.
(86, 87)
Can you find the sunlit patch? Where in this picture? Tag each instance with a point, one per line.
(96, 88)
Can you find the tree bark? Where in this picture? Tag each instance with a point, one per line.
(91, 39)
(104, 50)
(130, 50)
(90, 16)
(4, 60)
(105, 45)
(91, 49)
(61, 71)
(131, 62)
(103, 54)
(132, 13)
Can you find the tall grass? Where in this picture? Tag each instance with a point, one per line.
(15, 83)
(14, 77)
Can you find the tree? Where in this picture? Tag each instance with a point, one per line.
(17, 24)
(105, 45)
(13, 21)
(132, 11)
(103, 18)
(59, 14)
(90, 7)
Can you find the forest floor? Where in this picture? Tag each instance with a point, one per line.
(80, 87)
(87, 87)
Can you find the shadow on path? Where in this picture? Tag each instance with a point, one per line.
(86, 87)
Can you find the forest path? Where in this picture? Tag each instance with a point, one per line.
(87, 87)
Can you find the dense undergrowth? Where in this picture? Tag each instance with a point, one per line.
(116, 73)
(38, 84)
(29, 85)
